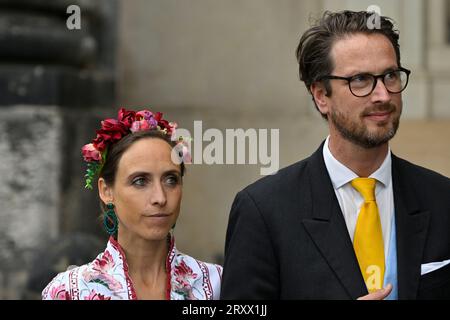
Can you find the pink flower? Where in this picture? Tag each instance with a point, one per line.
(59, 293)
(187, 158)
(105, 279)
(183, 279)
(90, 154)
(96, 296)
(184, 274)
(141, 125)
(144, 114)
(149, 116)
(105, 264)
(101, 272)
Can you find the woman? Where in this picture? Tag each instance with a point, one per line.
(140, 188)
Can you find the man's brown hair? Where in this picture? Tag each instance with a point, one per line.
(313, 51)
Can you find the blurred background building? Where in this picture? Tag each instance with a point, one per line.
(228, 63)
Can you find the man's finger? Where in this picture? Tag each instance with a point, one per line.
(379, 294)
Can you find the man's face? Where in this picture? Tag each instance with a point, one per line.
(368, 121)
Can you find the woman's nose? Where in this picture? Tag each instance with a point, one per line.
(158, 195)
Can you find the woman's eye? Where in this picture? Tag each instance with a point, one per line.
(172, 180)
(139, 181)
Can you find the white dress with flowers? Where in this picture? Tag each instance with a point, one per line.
(107, 278)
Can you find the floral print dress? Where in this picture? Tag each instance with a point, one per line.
(107, 278)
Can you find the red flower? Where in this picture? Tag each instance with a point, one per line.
(90, 154)
(164, 124)
(126, 117)
(158, 116)
(112, 130)
(114, 125)
(99, 143)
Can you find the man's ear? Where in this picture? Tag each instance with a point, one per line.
(319, 93)
(105, 192)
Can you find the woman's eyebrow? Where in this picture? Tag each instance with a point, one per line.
(173, 171)
(149, 174)
(139, 173)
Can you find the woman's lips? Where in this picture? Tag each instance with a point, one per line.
(157, 215)
(158, 218)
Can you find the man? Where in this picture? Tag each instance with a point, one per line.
(353, 220)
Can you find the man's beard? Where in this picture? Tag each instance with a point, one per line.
(358, 133)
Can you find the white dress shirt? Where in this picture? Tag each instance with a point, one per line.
(350, 200)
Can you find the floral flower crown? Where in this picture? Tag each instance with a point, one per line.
(113, 130)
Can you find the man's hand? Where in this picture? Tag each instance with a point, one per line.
(379, 294)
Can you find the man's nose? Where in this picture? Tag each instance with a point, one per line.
(380, 94)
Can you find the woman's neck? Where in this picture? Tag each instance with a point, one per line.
(146, 264)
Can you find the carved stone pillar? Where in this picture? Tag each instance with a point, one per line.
(54, 83)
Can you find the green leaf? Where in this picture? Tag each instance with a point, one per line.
(99, 281)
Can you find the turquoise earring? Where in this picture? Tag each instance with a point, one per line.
(110, 220)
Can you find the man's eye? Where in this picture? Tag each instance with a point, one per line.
(392, 76)
(360, 78)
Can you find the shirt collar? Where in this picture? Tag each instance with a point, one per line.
(119, 257)
(341, 175)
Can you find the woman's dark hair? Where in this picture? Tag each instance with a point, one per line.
(115, 152)
(313, 51)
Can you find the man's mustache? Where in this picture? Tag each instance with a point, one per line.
(380, 109)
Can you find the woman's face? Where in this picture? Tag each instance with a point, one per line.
(147, 190)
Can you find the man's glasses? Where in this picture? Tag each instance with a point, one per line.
(363, 84)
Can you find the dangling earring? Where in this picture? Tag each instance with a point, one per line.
(110, 220)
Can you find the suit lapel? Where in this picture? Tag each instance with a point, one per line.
(328, 230)
(412, 228)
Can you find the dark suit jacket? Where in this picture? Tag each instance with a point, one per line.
(287, 237)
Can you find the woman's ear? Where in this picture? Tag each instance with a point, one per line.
(105, 192)
(319, 93)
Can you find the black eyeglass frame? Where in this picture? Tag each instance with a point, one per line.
(375, 77)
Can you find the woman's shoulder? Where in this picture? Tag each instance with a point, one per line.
(207, 268)
(60, 287)
(82, 282)
(196, 279)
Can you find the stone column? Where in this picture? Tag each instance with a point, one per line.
(54, 84)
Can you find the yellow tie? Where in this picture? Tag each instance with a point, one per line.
(368, 238)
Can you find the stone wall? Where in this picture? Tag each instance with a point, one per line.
(29, 190)
(55, 85)
(231, 64)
